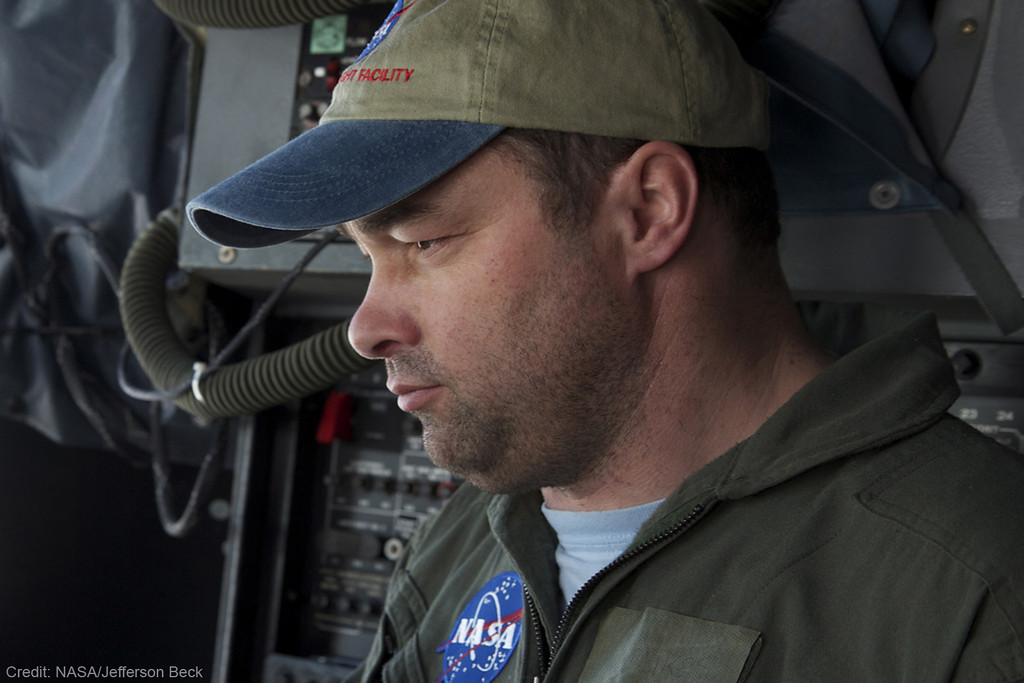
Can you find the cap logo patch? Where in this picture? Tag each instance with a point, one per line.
(486, 633)
(393, 16)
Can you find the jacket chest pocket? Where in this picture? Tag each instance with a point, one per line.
(657, 645)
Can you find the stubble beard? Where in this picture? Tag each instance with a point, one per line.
(554, 400)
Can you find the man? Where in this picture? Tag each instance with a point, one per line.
(576, 289)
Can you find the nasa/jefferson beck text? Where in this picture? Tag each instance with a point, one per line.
(101, 672)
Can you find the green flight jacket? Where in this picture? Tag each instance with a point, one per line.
(862, 534)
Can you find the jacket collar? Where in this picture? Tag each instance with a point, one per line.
(886, 389)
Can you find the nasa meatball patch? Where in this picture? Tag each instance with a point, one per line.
(396, 13)
(486, 633)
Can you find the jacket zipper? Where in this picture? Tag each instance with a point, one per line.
(538, 633)
(563, 624)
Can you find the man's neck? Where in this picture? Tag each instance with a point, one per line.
(704, 398)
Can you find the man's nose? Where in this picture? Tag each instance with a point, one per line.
(382, 324)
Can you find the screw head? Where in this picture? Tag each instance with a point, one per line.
(885, 194)
(226, 254)
(966, 364)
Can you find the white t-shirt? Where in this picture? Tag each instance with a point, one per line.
(590, 541)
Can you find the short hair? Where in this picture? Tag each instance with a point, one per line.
(572, 169)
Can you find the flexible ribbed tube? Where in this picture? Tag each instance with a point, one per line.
(243, 388)
(252, 13)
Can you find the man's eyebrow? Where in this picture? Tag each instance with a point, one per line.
(379, 221)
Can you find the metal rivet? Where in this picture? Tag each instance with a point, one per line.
(226, 255)
(968, 26)
(885, 194)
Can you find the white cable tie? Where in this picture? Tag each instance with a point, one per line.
(198, 368)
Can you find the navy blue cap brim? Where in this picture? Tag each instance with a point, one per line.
(336, 172)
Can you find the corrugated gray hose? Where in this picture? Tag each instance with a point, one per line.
(304, 368)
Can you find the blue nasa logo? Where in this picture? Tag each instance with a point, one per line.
(486, 633)
(396, 12)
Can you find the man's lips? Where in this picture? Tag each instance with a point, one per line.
(412, 397)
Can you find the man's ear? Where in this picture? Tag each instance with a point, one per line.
(659, 186)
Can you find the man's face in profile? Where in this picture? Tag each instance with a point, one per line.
(509, 342)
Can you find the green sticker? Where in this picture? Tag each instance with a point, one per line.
(327, 35)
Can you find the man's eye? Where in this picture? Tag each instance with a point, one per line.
(424, 245)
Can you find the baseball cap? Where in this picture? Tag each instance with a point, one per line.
(441, 78)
